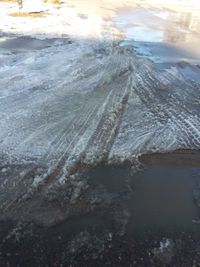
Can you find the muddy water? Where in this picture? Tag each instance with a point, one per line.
(164, 35)
(18, 44)
(160, 196)
(150, 217)
(163, 197)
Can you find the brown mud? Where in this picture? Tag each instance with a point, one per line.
(178, 157)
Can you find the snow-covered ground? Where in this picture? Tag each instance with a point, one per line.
(80, 99)
(50, 21)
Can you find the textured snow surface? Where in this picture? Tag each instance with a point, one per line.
(52, 21)
(63, 106)
(83, 102)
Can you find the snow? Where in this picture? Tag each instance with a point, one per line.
(62, 105)
(55, 23)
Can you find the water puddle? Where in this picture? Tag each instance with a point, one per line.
(190, 72)
(150, 217)
(161, 196)
(163, 35)
(27, 44)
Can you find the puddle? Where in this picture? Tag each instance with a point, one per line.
(191, 72)
(134, 215)
(163, 197)
(163, 35)
(26, 44)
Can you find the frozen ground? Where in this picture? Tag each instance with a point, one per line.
(79, 100)
(77, 90)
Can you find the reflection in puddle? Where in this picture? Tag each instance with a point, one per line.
(164, 35)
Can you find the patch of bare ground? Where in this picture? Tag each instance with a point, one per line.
(55, 2)
(29, 14)
(178, 157)
(9, 1)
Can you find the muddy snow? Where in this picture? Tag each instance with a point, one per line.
(98, 85)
